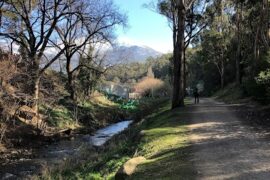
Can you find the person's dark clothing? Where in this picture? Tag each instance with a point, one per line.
(196, 95)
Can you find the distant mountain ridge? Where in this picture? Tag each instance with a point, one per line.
(133, 53)
(117, 55)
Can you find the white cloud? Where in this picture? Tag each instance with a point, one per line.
(6, 45)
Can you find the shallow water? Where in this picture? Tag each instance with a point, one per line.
(103, 135)
(99, 138)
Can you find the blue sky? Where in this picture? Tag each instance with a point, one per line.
(145, 26)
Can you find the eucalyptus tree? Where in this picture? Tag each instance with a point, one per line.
(251, 21)
(184, 17)
(217, 38)
(238, 59)
(261, 30)
(199, 16)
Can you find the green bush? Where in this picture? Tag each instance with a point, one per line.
(256, 90)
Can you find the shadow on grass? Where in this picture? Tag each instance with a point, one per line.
(171, 164)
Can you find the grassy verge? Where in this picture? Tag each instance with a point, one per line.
(161, 137)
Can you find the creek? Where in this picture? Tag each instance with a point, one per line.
(60, 151)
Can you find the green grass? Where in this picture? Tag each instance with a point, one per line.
(164, 143)
(61, 117)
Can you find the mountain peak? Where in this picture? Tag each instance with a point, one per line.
(131, 53)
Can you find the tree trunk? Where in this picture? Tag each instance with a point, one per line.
(70, 78)
(266, 29)
(222, 75)
(183, 74)
(222, 81)
(70, 86)
(238, 52)
(36, 94)
(35, 81)
(256, 53)
(178, 96)
(237, 63)
(267, 20)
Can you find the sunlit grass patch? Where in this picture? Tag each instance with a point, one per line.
(103, 101)
(165, 144)
(160, 140)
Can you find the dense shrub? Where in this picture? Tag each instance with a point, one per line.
(256, 90)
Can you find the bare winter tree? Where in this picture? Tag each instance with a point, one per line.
(96, 23)
(32, 25)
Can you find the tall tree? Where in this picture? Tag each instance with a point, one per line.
(216, 39)
(181, 16)
(175, 11)
(238, 59)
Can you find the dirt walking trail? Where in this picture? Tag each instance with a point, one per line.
(224, 147)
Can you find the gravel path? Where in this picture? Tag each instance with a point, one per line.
(224, 147)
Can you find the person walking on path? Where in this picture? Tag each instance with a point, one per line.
(196, 95)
